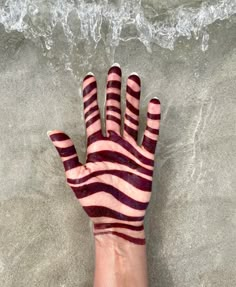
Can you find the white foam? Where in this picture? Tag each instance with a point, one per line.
(81, 21)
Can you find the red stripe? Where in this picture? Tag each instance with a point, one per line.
(95, 137)
(87, 77)
(114, 109)
(132, 108)
(139, 241)
(154, 116)
(92, 120)
(132, 132)
(149, 144)
(114, 119)
(131, 119)
(120, 141)
(115, 69)
(113, 96)
(68, 151)
(119, 225)
(90, 111)
(114, 84)
(117, 139)
(90, 100)
(100, 211)
(71, 163)
(136, 180)
(155, 101)
(94, 187)
(136, 79)
(153, 131)
(89, 88)
(59, 137)
(132, 93)
(117, 157)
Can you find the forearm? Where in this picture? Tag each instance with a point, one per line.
(119, 262)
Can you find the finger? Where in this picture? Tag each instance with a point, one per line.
(113, 111)
(91, 109)
(151, 133)
(133, 90)
(66, 150)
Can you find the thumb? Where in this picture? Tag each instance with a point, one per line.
(65, 148)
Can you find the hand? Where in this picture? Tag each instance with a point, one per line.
(114, 185)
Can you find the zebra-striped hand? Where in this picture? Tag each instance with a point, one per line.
(114, 186)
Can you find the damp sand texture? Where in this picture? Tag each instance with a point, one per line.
(185, 54)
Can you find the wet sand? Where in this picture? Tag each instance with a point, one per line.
(46, 238)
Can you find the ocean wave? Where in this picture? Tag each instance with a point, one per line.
(70, 23)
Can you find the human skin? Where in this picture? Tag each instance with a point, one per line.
(114, 185)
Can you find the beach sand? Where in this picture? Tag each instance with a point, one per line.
(46, 237)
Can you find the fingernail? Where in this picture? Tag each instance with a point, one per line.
(134, 73)
(116, 65)
(115, 68)
(88, 75)
(155, 100)
(48, 133)
(135, 77)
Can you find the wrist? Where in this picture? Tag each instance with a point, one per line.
(119, 233)
(119, 262)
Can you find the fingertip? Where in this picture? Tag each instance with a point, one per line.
(154, 109)
(89, 75)
(115, 68)
(135, 77)
(116, 65)
(48, 133)
(134, 73)
(57, 135)
(155, 100)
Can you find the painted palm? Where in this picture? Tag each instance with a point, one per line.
(114, 185)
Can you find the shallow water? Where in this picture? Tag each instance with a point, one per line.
(185, 54)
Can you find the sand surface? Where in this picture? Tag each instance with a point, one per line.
(45, 236)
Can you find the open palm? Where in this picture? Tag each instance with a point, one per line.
(114, 185)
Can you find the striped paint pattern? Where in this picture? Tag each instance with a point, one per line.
(114, 185)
